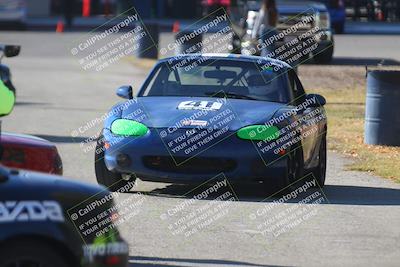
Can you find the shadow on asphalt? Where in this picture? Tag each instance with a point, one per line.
(62, 139)
(148, 261)
(346, 104)
(360, 195)
(350, 61)
(335, 194)
(354, 61)
(27, 103)
(243, 192)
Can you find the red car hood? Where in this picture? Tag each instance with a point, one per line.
(30, 153)
(23, 139)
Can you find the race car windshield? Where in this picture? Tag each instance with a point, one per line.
(219, 78)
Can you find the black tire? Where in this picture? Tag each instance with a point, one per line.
(294, 171)
(339, 28)
(319, 172)
(325, 56)
(29, 253)
(113, 181)
(296, 165)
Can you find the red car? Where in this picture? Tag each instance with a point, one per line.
(30, 153)
(211, 6)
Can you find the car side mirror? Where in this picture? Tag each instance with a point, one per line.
(125, 92)
(315, 100)
(11, 50)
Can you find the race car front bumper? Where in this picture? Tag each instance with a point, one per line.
(150, 158)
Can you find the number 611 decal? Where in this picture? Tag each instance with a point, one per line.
(200, 105)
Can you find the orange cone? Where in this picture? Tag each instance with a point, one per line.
(60, 26)
(176, 27)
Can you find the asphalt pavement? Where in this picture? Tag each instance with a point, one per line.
(357, 224)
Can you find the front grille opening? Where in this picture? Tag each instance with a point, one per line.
(196, 165)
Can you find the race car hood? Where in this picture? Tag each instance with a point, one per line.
(164, 112)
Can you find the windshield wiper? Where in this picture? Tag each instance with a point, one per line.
(229, 95)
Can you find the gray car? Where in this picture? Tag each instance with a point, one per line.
(13, 13)
(300, 22)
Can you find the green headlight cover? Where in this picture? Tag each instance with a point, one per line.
(128, 128)
(258, 133)
(7, 99)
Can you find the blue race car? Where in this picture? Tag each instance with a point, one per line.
(198, 116)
